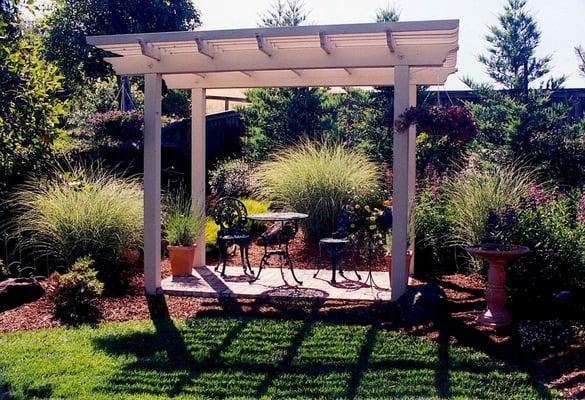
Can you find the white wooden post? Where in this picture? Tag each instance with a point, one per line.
(402, 159)
(152, 178)
(411, 173)
(198, 164)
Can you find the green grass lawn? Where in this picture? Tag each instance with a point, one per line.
(209, 358)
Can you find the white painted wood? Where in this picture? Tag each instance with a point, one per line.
(198, 165)
(400, 168)
(204, 48)
(149, 50)
(306, 58)
(263, 45)
(309, 30)
(390, 41)
(358, 77)
(325, 43)
(412, 176)
(249, 75)
(296, 72)
(152, 178)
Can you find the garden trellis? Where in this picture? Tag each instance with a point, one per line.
(399, 54)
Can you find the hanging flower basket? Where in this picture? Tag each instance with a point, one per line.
(439, 121)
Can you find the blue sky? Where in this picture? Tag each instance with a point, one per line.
(562, 23)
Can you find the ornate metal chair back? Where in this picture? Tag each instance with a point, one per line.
(230, 215)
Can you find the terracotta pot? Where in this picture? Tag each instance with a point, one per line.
(182, 259)
(388, 257)
(496, 297)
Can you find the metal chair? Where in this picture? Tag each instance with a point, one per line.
(336, 246)
(230, 215)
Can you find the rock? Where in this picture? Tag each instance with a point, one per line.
(421, 304)
(17, 291)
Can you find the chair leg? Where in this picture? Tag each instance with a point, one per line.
(223, 250)
(292, 271)
(242, 258)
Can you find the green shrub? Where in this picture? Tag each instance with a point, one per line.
(317, 179)
(88, 210)
(233, 178)
(182, 223)
(555, 236)
(76, 293)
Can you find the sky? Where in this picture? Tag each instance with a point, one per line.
(562, 23)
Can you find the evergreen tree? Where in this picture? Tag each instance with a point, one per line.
(285, 13)
(280, 116)
(580, 51)
(511, 59)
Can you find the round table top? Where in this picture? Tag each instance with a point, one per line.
(278, 216)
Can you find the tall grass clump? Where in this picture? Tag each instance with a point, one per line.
(81, 211)
(317, 179)
(476, 190)
(183, 219)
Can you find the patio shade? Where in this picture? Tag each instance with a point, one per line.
(399, 54)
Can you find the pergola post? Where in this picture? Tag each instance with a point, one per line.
(152, 178)
(403, 182)
(198, 165)
(411, 175)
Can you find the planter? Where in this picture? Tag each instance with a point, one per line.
(496, 297)
(388, 257)
(182, 259)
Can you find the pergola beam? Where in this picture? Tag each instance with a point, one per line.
(263, 45)
(204, 48)
(367, 57)
(306, 78)
(148, 50)
(390, 41)
(325, 43)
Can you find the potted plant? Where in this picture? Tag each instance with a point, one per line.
(183, 226)
(497, 251)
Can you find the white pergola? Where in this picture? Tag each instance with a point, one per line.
(399, 54)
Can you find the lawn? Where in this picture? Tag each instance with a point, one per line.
(248, 358)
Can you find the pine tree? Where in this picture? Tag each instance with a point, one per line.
(511, 59)
(281, 13)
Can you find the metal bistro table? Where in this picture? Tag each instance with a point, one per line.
(276, 243)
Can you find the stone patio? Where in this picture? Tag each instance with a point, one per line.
(274, 283)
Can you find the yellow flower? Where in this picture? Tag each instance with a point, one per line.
(372, 227)
(357, 206)
(353, 225)
(387, 203)
(373, 219)
(367, 208)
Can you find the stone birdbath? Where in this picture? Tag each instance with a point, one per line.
(497, 256)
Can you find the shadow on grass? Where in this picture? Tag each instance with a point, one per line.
(286, 358)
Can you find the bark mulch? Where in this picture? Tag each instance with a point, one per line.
(563, 370)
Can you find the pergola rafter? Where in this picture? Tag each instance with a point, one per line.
(399, 54)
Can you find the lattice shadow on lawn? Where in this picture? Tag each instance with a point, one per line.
(252, 358)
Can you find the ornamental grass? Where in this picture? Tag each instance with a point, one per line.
(86, 210)
(317, 179)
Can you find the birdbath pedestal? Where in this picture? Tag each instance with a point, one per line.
(497, 256)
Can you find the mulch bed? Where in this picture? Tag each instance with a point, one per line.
(563, 370)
